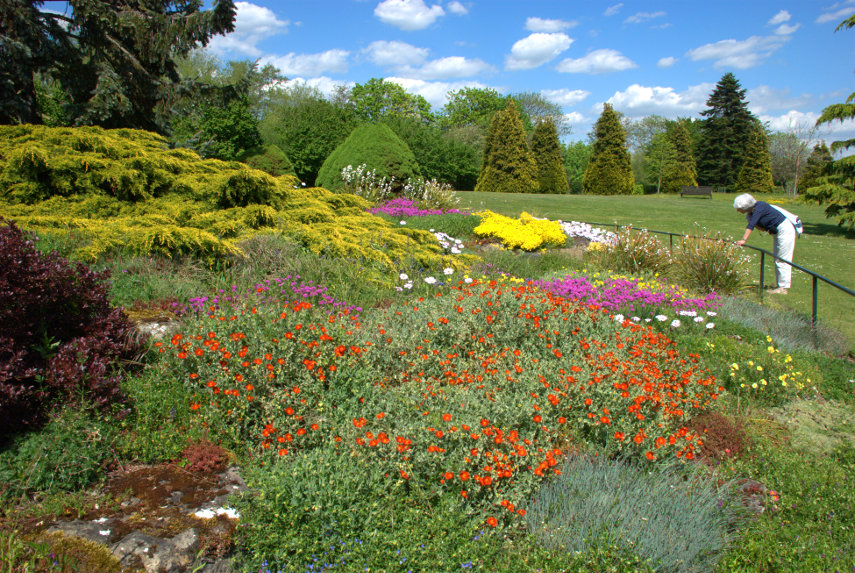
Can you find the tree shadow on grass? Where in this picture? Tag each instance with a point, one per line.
(829, 230)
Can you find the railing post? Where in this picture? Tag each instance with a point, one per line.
(813, 315)
(762, 271)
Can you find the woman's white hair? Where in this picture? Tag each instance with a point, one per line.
(744, 202)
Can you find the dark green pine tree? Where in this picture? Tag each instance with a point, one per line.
(508, 166)
(724, 133)
(113, 58)
(678, 167)
(817, 164)
(548, 158)
(609, 171)
(755, 175)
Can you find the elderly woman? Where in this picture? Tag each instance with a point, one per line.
(763, 216)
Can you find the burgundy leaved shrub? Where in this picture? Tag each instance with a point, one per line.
(60, 339)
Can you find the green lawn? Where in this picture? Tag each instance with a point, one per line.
(825, 248)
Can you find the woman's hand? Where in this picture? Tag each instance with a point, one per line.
(740, 242)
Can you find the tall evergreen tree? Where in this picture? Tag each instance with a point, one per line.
(724, 133)
(817, 163)
(508, 165)
(546, 150)
(678, 167)
(836, 188)
(755, 175)
(113, 58)
(609, 171)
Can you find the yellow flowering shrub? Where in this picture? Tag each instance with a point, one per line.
(527, 233)
(124, 190)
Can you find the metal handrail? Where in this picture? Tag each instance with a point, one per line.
(816, 277)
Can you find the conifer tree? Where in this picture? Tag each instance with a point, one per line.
(835, 188)
(678, 167)
(817, 162)
(508, 165)
(755, 175)
(609, 171)
(724, 133)
(114, 59)
(546, 149)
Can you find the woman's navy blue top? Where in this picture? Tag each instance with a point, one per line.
(765, 217)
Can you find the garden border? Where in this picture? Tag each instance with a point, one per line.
(816, 277)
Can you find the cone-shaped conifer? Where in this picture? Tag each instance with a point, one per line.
(546, 149)
(508, 165)
(678, 168)
(755, 176)
(610, 170)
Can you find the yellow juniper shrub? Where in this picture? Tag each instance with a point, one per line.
(125, 190)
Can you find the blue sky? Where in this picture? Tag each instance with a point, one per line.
(643, 57)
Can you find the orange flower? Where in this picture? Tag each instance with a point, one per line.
(491, 521)
(446, 417)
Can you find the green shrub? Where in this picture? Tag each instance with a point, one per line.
(711, 263)
(376, 146)
(268, 158)
(661, 516)
(631, 251)
(66, 455)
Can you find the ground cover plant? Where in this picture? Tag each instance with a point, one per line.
(402, 416)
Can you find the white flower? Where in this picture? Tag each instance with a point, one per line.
(710, 325)
(647, 319)
(687, 313)
(711, 313)
(409, 285)
(455, 250)
(403, 222)
(661, 317)
(467, 280)
(448, 271)
(699, 319)
(403, 276)
(619, 317)
(399, 289)
(675, 323)
(430, 280)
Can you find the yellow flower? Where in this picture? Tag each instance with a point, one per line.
(754, 385)
(770, 349)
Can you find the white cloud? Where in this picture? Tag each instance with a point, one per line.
(763, 99)
(574, 117)
(535, 50)
(436, 93)
(799, 121)
(326, 85)
(395, 53)
(837, 12)
(457, 8)
(310, 64)
(639, 101)
(565, 96)
(612, 10)
(408, 14)
(535, 24)
(446, 68)
(666, 62)
(252, 25)
(597, 62)
(739, 54)
(780, 18)
(640, 17)
(786, 29)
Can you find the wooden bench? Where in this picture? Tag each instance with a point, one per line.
(696, 191)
